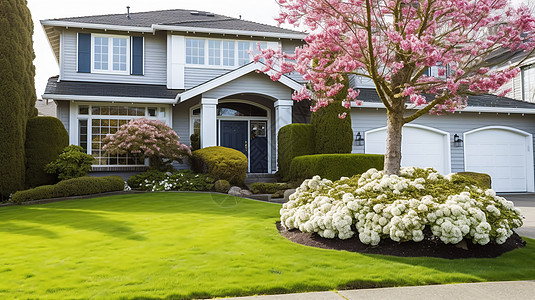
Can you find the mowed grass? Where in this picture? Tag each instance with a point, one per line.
(195, 245)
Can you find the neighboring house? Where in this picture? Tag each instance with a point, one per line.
(193, 71)
(46, 108)
(522, 86)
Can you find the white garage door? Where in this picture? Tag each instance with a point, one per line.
(421, 146)
(503, 153)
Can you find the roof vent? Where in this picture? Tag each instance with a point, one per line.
(195, 13)
(128, 12)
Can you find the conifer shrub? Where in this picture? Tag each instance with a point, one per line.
(222, 186)
(332, 125)
(71, 187)
(221, 163)
(293, 140)
(17, 91)
(333, 166)
(46, 138)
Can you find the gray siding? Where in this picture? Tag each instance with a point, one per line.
(364, 119)
(253, 83)
(288, 46)
(63, 112)
(155, 62)
(195, 76)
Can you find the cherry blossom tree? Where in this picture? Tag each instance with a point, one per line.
(395, 43)
(150, 139)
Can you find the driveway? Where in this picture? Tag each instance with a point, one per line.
(526, 203)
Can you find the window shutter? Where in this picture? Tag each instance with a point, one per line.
(84, 52)
(137, 55)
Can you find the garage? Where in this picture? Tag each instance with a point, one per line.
(505, 153)
(421, 146)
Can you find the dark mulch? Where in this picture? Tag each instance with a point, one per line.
(429, 247)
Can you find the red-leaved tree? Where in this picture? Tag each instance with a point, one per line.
(150, 139)
(394, 43)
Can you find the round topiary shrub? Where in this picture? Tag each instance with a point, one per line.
(383, 206)
(222, 186)
(46, 137)
(221, 163)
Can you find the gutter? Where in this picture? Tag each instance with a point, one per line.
(476, 109)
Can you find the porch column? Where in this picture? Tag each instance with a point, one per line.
(208, 122)
(283, 117)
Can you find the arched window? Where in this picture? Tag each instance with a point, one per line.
(236, 109)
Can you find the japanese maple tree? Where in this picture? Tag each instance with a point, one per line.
(150, 139)
(395, 43)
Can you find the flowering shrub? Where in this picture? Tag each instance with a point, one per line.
(383, 206)
(147, 138)
(185, 180)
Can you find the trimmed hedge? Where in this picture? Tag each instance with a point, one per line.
(332, 134)
(221, 163)
(268, 188)
(293, 140)
(71, 187)
(481, 180)
(222, 186)
(46, 138)
(333, 166)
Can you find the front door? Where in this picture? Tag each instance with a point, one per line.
(234, 135)
(259, 144)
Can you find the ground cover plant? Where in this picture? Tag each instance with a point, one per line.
(197, 245)
(377, 206)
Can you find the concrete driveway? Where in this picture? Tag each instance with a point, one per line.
(526, 203)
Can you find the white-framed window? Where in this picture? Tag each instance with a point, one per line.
(95, 121)
(195, 51)
(110, 54)
(221, 53)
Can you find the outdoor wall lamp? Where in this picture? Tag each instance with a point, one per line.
(457, 141)
(359, 139)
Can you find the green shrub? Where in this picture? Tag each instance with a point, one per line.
(293, 140)
(71, 187)
(183, 180)
(481, 180)
(46, 138)
(195, 141)
(221, 163)
(333, 166)
(268, 188)
(222, 186)
(332, 134)
(72, 162)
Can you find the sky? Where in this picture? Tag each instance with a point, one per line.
(262, 11)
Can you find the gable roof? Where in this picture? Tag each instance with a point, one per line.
(234, 74)
(175, 19)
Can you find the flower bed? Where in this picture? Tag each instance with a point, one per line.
(377, 206)
(185, 180)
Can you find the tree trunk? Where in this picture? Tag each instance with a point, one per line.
(393, 142)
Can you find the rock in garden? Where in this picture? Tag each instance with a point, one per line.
(235, 191)
(287, 194)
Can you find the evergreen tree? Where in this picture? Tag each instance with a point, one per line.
(333, 134)
(17, 91)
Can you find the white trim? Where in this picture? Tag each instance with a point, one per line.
(108, 99)
(110, 38)
(155, 27)
(283, 103)
(62, 52)
(95, 26)
(478, 109)
(246, 69)
(445, 137)
(297, 36)
(530, 176)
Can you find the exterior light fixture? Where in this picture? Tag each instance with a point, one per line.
(359, 139)
(457, 141)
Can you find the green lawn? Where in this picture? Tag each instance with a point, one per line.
(187, 245)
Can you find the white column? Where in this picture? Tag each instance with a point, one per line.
(283, 117)
(208, 122)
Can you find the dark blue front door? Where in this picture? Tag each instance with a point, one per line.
(234, 135)
(259, 146)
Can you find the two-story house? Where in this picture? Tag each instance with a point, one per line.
(193, 70)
